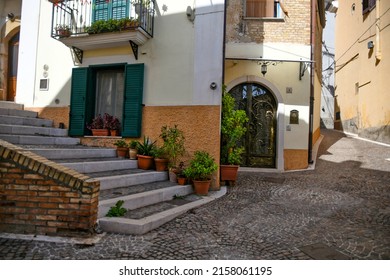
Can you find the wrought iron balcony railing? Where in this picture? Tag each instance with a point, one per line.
(80, 18)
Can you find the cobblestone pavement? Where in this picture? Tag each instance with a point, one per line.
(344, 205)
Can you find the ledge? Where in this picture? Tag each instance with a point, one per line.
(87, 41)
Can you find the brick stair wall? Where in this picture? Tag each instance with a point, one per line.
(38, 196)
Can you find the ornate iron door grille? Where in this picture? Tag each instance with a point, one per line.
(260, 138)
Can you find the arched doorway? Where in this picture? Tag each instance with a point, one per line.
(13, 57)
(260, 139)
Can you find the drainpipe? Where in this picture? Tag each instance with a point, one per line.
(378, 53)
(312, 69)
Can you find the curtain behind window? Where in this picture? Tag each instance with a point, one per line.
(109, 92)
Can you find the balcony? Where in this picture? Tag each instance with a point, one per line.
(96, 24)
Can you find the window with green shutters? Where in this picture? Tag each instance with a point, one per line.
(110, 9)
(83, 95)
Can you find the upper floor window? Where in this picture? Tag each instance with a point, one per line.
(368, 5)
(110, 9)
(263, 9)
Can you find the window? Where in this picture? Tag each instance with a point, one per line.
(368, 5)
(263, 9)
(113, 9)
(107, 89)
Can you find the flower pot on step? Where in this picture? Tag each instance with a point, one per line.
(201, 187)
(145, 162)
(161, 164)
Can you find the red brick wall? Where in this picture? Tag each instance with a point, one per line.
(41, 197)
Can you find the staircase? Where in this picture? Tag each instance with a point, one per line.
(150, 198)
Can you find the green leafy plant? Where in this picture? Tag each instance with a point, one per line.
(232, 130)
(133, 144)
(173, 144)
(111, 25)
(121, 143)
(147, 147)
(117, 210)
(201, 167)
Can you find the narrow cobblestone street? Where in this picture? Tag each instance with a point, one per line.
(342, 205)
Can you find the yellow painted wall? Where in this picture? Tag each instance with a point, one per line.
(362, 94)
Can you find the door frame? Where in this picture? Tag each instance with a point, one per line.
(279, 161)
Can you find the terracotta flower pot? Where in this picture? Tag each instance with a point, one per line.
(145, 162)
(161, 164)
(100, 132)
(229, 172)
(122, 152)
(181, 180)
(202, 187)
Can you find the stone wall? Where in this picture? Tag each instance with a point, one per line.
(38, 196)
(294, 28)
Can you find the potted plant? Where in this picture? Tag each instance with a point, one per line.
(113, 124)
(63, 30)
(173, 147)
(145, 153)
(97, 126)
(133, 149)
(121, 148)
(200, 169)
(56, 1)
(232, 130)
(181, 177)
(160, 160)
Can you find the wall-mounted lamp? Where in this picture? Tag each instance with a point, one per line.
(370, 45)
(213, 86)
(11, 17)
(264, 65)
(263, 69)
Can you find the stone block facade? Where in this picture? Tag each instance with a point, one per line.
(38, 196)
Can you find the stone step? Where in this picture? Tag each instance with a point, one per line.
(144, 198)
(73, 152)
(128, 178)
(36, 140)
(30, 121)
(145, 224)
(18, 113)
(32, 130)
(100, 166)
(11, 105)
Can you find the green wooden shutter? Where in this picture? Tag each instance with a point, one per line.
(78, 101)
(114, 9)
(132, 105)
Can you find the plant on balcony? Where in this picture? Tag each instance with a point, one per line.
(111, 25)
(63, 30)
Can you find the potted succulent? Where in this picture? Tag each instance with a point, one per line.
(97, 126)
(63, 30)
(232, 130)
(145, 153)
(122, 148)
(173, 147)
(133, 149)
(200, 169)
